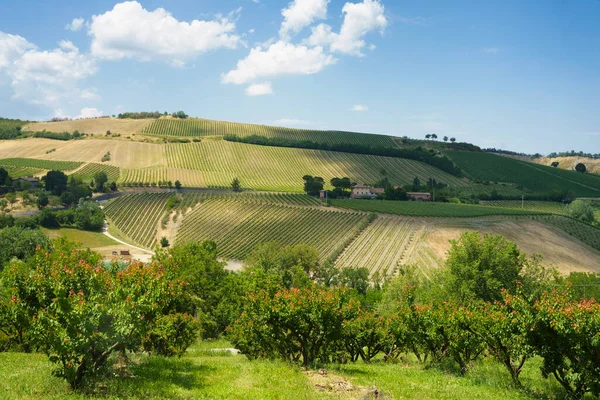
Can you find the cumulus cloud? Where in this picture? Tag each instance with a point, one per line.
(359, 20)
(259, 89)
(89, 112)
(45, 77)
(359, 108)
(75, 25)
(301, 13)
(280, 58)
(130, 31)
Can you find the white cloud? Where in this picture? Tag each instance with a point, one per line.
(259, 89)
(89, 112)
(45, 77)
(75, 25)
(130, 31)
(491, 50)
(301, 13)
(359, 20)
(359, 108)
(279, 58)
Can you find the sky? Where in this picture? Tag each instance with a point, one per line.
(512, 74)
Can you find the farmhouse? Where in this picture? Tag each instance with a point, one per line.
(419, 196)
(359, 191)
(33, 182)
(125, 253)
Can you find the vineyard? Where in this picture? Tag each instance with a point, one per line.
(586, 233)
(137, 216)
(382, 246)
(415, 208)
(281, 169)
(88, 171)
(238, 227)
(40, 164)
(205, 127)
(538, 206)
(16, 171)
(536, 179)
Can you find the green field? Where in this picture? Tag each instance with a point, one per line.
(204, 127)
(535, 179)
(15, 171)
(87, 171)
(40, 164)
(87, 239)
(588, 234)
(421, 209)
(281, 169)
(528, 205)
(238, 226)
(137, 216)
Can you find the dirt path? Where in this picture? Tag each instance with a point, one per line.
(105, 232)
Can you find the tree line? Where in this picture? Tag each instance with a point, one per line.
(151, 115)
(428, 156)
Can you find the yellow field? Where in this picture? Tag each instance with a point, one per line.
(92, 126)
(569, 163)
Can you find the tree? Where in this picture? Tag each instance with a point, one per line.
(453, 140)
(164, 242)
(235, 185)
(12, 198)
(20, 243)
(481, 266)
(445, 138)
(416, 182)
(580, 168)
(581, 210)
(108, 133)
(555, 164)
(100, 179)
(177, 185)
(428, 136)
(313, 184)
(56, 182)
(356, 279)
(3, 176)
(434, 136)
(113, 186)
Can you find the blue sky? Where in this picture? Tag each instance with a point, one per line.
(519, 75)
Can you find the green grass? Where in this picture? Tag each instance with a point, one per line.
(204, 127)
(87, 239)
(41, 164)
(281, 169)
(541, 206)
(421, 209)
(87, 172)
(206, 374)
(16, 171)
(534, 178)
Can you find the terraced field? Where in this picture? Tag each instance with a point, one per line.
(539, 206)
(40, 164)
(88, 171)
(534, 178)
(238, 227)
(416, 208)
(205, 127)
(382, 246)
(137, 216)
(281, 169)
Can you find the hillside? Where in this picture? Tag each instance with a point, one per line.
(92, 126)
(569, 163)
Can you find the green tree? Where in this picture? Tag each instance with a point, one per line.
(177, 185)
(581, 210)
(20, 243)
(100, 179)
(164, 242)
(235, 185)
(416, 183)
(313, 184)
(355, 279)
(56, 182)
(3, 176)
(580, 168)
(453, 140)
(445, 138)
(481, 266)
(12, 198)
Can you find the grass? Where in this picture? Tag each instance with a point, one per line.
(41, 164)
(429, 209)
(203, 373)
(534, 178)
(88, 239)
(541, 206)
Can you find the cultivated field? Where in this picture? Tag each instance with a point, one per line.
(204, 127)
(534, 178)
(538, 206)
(88, 171)
(281, 169)
(40, 164)
(92, 126)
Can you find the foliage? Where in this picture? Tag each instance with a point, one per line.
(313, 185)
(87, 172)
(20, 243)
(56, 182)
(11, 128)
(292, 324)
(100, 179)
(580, 167)
(40, 164)
(581, 210)
(78, 312)
(58, 135)
(235, 185)
(365, 335)
(481, 266)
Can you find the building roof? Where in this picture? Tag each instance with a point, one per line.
(360, 187)
(418, 193)
(26, 178)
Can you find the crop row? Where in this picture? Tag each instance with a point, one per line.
(281, 169)
(292, 199)
(428, 209)
(88, 171)
(586, 233)
(238, 227)
(380, 246)
(204, 127)
(16, 171)
(137, 215)
(541, 206)
(41, 164)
